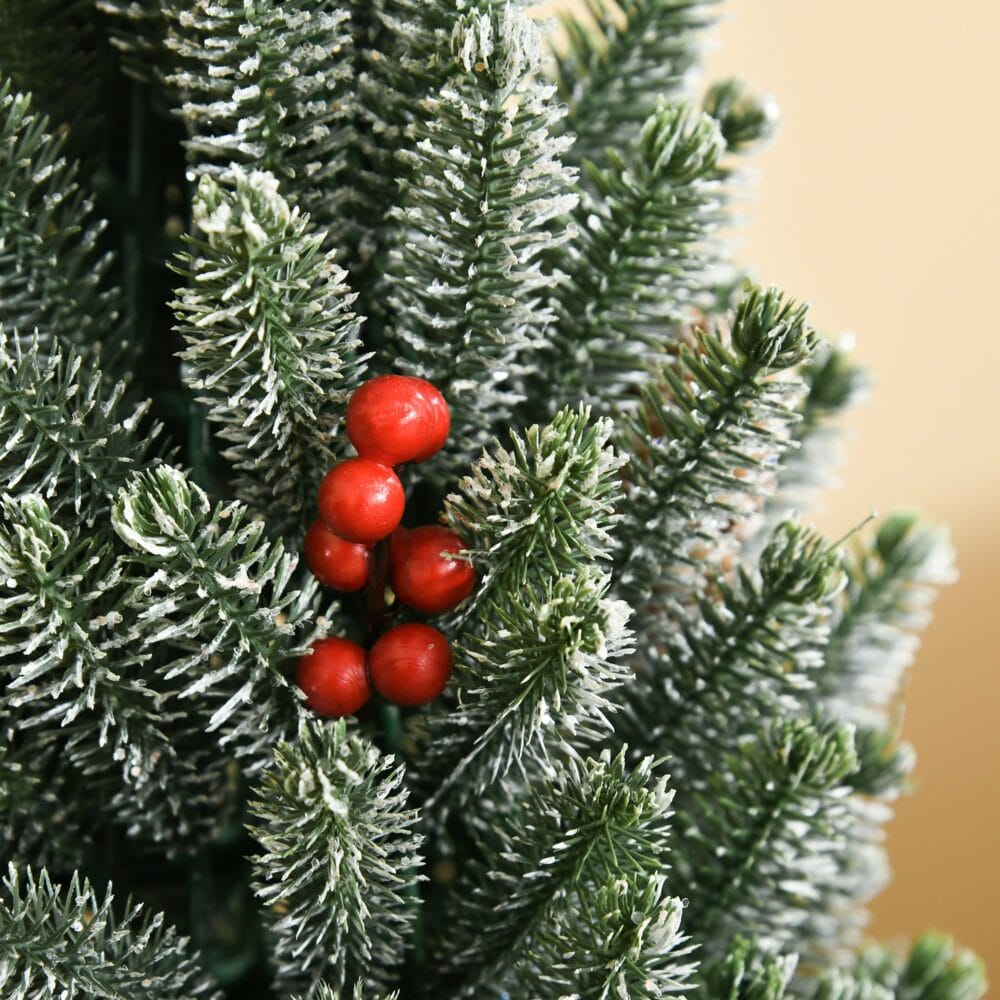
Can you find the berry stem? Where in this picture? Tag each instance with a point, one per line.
(378, 575)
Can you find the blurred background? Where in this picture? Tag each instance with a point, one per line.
(880, 204)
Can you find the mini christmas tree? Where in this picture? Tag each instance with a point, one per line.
(405, 591)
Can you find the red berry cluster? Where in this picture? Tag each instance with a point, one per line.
(391, 420)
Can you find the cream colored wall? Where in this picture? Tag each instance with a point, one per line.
(880, 204)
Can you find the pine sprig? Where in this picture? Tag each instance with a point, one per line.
(634, 261)
(890, 584)
(483, 202)
(934, 969)
(63, 434)
(272, 344)
(834, 382)
(535, 680)
(321, 991)
(705, 443)
(267, 85)
(40, 814)
(592, 821)
(615, 70)
(746, 120)
(543, 505)
(747, 972)
(69, 943)
(61, 642)
(625, 941)
(53, 273)
(751, 649)
(215, 607)
(752, 850)
(339, 849)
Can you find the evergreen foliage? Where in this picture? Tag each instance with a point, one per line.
(748, 653)
(52, 269)
(747, 972)
(634, 262)
(712, 429)
(541, 652)
(208, 589)
(484, 201)
(891, 582)
(590, 822)
(745, 119)
(70, 943)
(934, 968)
(641, 52)
(752, 849)
(633, 428)
(623, 942)
(340, 850)
(65, 434)
(266, 84)
(272, 344)
(833, 383)
(137, 29)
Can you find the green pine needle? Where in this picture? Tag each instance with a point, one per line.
(339, 849)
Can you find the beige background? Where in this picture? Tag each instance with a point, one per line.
(880, 204)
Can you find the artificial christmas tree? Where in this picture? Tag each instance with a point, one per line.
(662, 747)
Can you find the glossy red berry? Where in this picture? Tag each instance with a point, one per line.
(361, 500)
(410, 664)
(333, 677)
(423, 576)
(397, 418)
(335, 562)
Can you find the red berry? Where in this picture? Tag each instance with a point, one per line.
(410, 664)
(361, 500)
(335, 562)
(396, 418)
(333, 677)
(426, 579)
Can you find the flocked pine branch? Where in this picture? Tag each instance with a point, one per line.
(321, 991)
(540, 652)
(216, 607)
(633, 263)
(613, 71)
(747, 972)
(542, 504)
(712, 429)
(746, 120)
(137, 29)
(52, 270)
(483, 202)
(65, 434)
(535, 679)
(751, 851)
(272, 344)
(591, 822)
(267, 85)
(891, 582)
(339, 850)
(70, 943)
(934, 968)
(624, 941)
(40, 815)
(833, 382)
(750, 651)
(65, 652)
